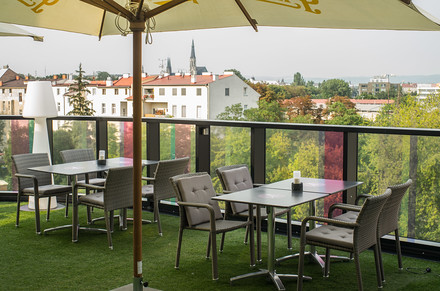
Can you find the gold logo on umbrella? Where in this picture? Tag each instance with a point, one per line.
(166, 1)
(296, 5)
(36, 5)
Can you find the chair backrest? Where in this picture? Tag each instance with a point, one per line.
(164, 170)
(366, 233)
(118, 191)
(389, 217)
(79, 155)
(24, 161)
(196, 188)
(235, 178)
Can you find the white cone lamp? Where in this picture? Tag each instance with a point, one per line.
(40, 104)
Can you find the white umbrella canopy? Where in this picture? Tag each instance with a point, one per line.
(12, 30)
(78, 16)
(103, 17)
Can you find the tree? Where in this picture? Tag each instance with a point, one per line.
(298, 80)
(266, 111)
(102, 75)
(78, 96)
(335, 87)
(340, 110)
(233, 112)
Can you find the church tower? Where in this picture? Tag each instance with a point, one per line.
(169, 71)
(192, 61)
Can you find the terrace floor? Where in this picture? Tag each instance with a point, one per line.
(53, 262)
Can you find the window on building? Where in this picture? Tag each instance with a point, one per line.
(126, 91)
(58, 106)
(226, 91)
(161, 91)
(20, 97)
(58, 91)
(245, 107)
(116, 91)
(199, 111)
(4, 105)
(94, 91)
(103, 91)
(174, 91)
(199, 92)
(174, 110)
(3, 91)
(124, 112)
(183, 91)
(113, 109)
(183, 110)
(244, 91)
(103, 108)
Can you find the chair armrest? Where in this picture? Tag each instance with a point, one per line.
(202, 205)
(35, 182)
(362, 196)
(343, 206)
(89, 186)
(18, 175)
(257, 185)
(227, 192)
(148, 179)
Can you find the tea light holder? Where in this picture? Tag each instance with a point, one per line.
(297, 185)
(101, 158)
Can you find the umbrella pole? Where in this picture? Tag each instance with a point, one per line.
(137, 28)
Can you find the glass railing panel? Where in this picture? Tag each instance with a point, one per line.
(315, 154)
(386, 160)
(229, 146)
(16, 137)
(71, 134)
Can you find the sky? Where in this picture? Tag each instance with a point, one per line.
(271, 53)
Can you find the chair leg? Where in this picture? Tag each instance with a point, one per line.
(289, 229)
(358, 271)
(327, 262)
(66, 214)
(179, 247)
(48, 208)
(37, 215)
(208, 248)
(157, 217)
(123, 219)
(300, 266)
(112, 220)
(222, 243)
(379, 268)
(212, 235)
(398, 249)
(246, 235)
(17, 218)
(89, 215)
(108, 227)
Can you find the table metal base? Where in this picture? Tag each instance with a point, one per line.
(79, 228)
(313, 256)
(276, 278)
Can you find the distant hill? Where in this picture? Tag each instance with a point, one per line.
(426, 79)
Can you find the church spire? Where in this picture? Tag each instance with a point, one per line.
(192, 61)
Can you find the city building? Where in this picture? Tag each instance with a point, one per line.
(12, 91)
(378, 84)
(367, 108)
(425, 90)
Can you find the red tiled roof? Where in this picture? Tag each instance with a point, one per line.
(358, 101)
(184, 80)
(126, 82)
(98, 83)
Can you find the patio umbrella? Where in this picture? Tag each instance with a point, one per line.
(106, 17)
(12, 30)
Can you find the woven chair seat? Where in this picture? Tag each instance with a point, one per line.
(221, 225)
(332, 235)
(94, 181)
(94, 198)
(48, 190)
(148, 191)
(349, 216)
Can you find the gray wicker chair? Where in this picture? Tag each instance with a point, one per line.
(80, 155)
(388, 220)
(237, 177)
(199, 212)
(37, 184)
(161, 187)
(117, 193)
(354, 237)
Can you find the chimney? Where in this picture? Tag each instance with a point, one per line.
(126, 75)
(144, 75)
(108, 82)
(64, 77)
(1, 83)
(17, 77)
(214, 77)
(55, 77)
(193, 79)
(26, 77)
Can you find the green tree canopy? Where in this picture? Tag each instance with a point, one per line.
(335, 87)
(78, 96)
(298, 80)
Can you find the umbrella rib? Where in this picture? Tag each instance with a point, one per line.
(252, 21)
(111, 6)
(163, 8)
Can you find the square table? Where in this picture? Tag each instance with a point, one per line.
(77, 168)
(270, 197)
(326, 186)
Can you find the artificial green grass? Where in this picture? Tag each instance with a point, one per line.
(52, 262)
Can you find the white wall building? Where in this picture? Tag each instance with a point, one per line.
(197, 97)
(425, 90)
